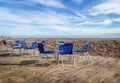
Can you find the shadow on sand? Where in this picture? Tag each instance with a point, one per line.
(9, 54)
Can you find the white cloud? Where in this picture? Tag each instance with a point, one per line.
(86, 30)
(51, 3)
(109, 6)
(7, 15)
(44, 22)
(37, 17)
(107, 22)
(116, 19)
(104, 22)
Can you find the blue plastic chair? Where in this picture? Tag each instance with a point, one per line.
(31, 48)
(17, 46)
(42, 51)
(85, 50)
(17, 43)
(66, 49)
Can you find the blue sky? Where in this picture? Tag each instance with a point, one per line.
(60, 18)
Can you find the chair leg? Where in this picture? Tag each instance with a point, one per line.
(21, 51)
(24, 51)
(55, 57)
(48, 59)
(27, 52)
(6, 47)
(58, 60)
(78, 57)
(74, 58)
(37, 58)
(62, 61)
(43, 60)
(87, 57)
(69, 59)
(31, 53)
(12, 52)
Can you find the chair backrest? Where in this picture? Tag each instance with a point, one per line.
(34, 45)
(44, 42)
(66, 48)
(23, 44)
(87, 47)
(41, 48)
(60, 45)
(61, 42)
(17, 42)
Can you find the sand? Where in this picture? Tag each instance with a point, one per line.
(100, 70)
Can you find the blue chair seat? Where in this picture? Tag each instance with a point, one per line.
(48, 52)
(62, 53)
(80, 51)
(16, 47)
(29, 48)
(17, 44)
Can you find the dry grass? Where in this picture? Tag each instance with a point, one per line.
(100, 70)
(21, 69)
